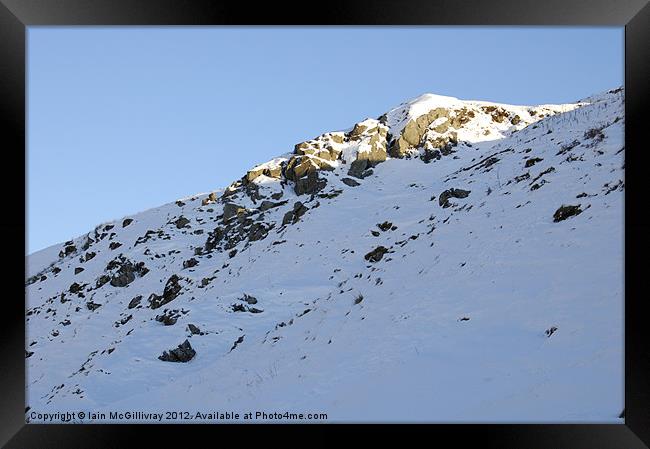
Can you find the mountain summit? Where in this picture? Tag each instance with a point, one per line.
(448, 261)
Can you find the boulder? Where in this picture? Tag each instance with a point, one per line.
(294, 215)
(350, 182)
(183, 353)
(231, 210)
(310, 184)
(376, 254)
(171, 291)
(452, 193)
(565, 212)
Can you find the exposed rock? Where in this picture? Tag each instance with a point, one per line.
(126, 222)
(376, 254)
(310, 184)
(126, 271)
(231, 210)
(565, 212)
(550, 331)
(301, 166)
(190, 263)
(78, 270)
(237, 342)
(238, 308)
(211, 198)
(249, 299)
(183, 353)
(92, 305)
(168, 317)
(114, 245)
(135, 302)
(67, 250)
(214, 238)
(172, 289)
(194, 330)
(266, 205)
(386, 226)
(350, 182)
(452, 193)
(294, 215)
(182, 222)
(103, 279)
(532, 161)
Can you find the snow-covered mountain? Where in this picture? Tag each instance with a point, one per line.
(449, 261)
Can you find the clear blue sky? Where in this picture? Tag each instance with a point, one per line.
(123, 119)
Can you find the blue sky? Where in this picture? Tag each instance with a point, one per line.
(122, 119)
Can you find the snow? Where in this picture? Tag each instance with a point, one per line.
(404, 353)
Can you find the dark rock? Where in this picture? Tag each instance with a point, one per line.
(194, 330)
(172, 289)
(238, 308)
(237, 342)
(75, 288)
(67, 250)
(126, 271)
(386, 226)
(266, 205)
(532, 161)
(376, 254)
(190, 263)
(214, 238)
(565, 212)
(182, 222)
(92, 306)
(183, 353)
(249, 299)
(350, 182)
(550, 331)
(114, 245)
(78, 270)
(135, 301)
(126, 222)
(231, 210)
(309, 184)
(452, 193)
(168, 318)
(103, 279)
(294, 215)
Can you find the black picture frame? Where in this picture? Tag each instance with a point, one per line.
(16, 15)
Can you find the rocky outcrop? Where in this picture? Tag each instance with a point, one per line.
(376, 254)
(300, 166)
(326, 146)
(310, 184)
(372, 150)
(124, 271)
(350, 182)
(183, 353)
(564, 212)
(171, 291)
(440, 121)
(452, 193)
(294, 215)
(231, 210)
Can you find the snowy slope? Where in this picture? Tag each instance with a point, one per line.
(446, 318)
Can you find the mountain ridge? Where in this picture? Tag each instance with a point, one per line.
(364, 214)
